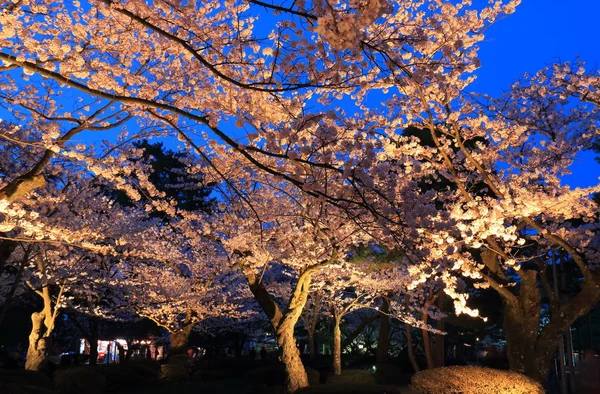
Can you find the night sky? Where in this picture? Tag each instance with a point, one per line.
(541, 32)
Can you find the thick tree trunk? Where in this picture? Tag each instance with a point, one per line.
(337, 346)
(179, 340)
(383, 341)
(521, 326)
(284, 325)
(290, 356)
(411, 351)
(40, 338)
(39, 342)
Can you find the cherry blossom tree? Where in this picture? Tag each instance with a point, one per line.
(186, 290)
(310, 318)
(269, 225)
(314, 112)
(343, 290)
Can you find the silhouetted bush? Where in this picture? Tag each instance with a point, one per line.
(270, 375)
(145, 367)
(25, 377)
(14, 388)
(390, 374)
(350, 388)
(352, 376)
(80, 380)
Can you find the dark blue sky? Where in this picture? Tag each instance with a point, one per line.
(541, 32)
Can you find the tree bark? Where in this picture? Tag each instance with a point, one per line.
(39, 342)
(179, 340)
(426, 338)
(290, 356)
(530, 350)
(42, 327)
(337, 346)
(284, 324)
(521, 324)
(312, 326)
(427, 347)
(21, 185)
(312, 351)
(383, 341)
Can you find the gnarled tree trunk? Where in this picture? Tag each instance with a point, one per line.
(40, 341)
(529, 349)
(290, 356)
(284, 324)
(179, 340)
(40, 338)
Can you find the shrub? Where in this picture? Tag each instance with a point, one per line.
(210, 375)
(13, 388)
(177, 368)
(351, 388)
(390, 374)
(473, 380)
(80, 380)
(352, 376)
(25, 377)
(174, 372)
(270, 375)
(181, 359)
(145, 367)
(314, 377)
(121, 377)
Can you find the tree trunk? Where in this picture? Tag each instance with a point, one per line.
(427, 348)
(411, 351)
(337, 346)
(290, 356)
(312, 353)
(521, 324)
(179, 340)
(40, 338)
(284, 324)
(312, 326)
(383, 341)
(39, 342)
(93, 341)
(440, 349)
